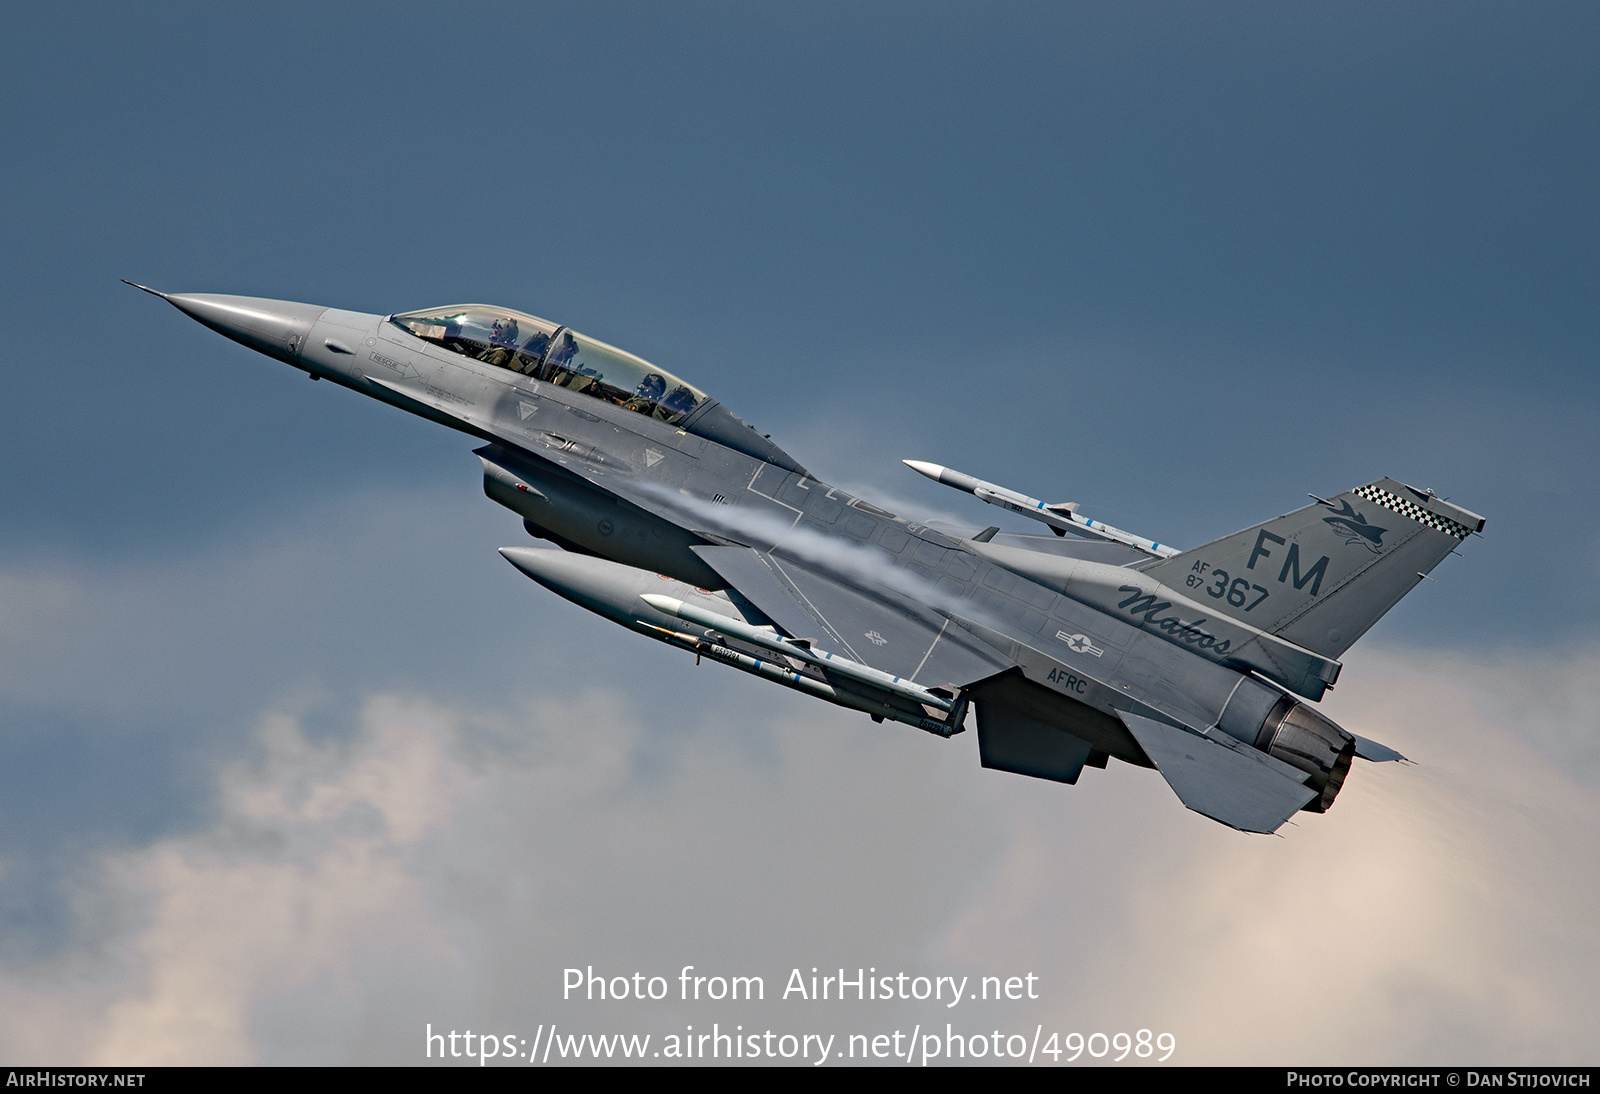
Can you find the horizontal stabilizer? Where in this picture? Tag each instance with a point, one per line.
(1220, 778)
(1372, 750)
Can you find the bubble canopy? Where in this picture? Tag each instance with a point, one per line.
(553, 354)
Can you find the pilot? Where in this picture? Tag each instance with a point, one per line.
(502, 343)
(648, 393)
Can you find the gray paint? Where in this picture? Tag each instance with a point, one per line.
(1227, 782)
(1072, 651)
(1011, 741)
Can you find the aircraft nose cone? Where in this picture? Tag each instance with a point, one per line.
(274, 327)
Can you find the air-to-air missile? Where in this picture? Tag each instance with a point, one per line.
(674, 518)
(1062, 517)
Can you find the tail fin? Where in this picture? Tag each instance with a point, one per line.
(1320, 577)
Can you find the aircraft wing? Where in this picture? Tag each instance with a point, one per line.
(1220, 778)
(879, 627)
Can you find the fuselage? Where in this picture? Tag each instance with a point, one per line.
(606, 455)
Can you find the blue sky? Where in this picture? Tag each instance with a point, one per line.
(1076, 246)
(1180, 263)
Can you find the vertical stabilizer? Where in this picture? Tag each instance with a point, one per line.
(1321, 576)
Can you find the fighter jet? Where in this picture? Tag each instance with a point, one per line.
(1073, 646)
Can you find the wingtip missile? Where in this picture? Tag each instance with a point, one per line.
(1061, 517)
(945, 475)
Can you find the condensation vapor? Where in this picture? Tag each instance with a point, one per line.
(834, 555)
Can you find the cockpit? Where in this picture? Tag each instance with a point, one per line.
(555, 355)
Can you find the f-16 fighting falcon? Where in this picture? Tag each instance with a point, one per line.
(1073, 647)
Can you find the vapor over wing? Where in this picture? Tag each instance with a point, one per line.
(882, 628)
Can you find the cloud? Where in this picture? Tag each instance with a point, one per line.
(1440, 912)
(306, 875)
(444, 864)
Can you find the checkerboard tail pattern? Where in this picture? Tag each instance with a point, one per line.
(1395, 503)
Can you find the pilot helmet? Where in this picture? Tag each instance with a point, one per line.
(505, 332)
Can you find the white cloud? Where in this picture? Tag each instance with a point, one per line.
(307, 871)
(1440, 912)
(447, 864)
